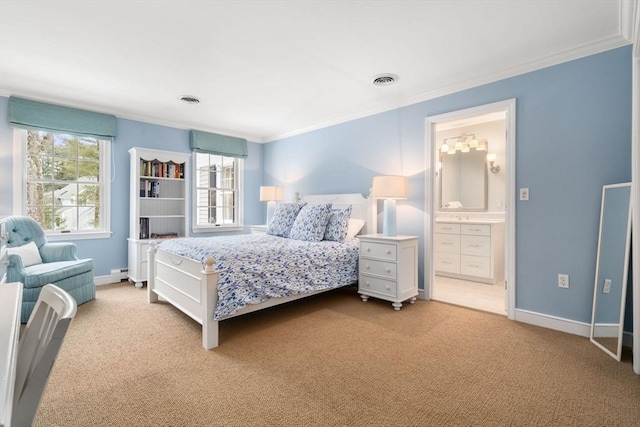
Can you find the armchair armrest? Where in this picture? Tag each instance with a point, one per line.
(15, 268)
(58, 251)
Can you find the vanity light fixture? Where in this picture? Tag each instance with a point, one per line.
(463, 143)
(491, 158)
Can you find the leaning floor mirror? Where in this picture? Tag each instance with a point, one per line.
(612, 266)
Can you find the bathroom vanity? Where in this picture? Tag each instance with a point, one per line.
(470, 250)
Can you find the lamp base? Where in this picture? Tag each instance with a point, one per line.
(271, 207)
(389, 223)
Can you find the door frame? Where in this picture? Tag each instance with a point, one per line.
(509, 107)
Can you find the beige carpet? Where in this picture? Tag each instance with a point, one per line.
(329, 360)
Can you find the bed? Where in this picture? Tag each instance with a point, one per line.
(184, 272)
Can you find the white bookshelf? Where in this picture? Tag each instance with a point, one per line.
(159, 203)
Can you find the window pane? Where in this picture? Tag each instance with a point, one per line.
(88, 218)
(39, 167)
(89, 170)
(65, 146)
(40, 143)
(88, 149)
(89, 195)
(66, 169)
(65, 218)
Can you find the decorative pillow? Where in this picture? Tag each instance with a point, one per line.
(311, 223)
(283, 218)
(29, 254)
(355, 225)
(338, 224)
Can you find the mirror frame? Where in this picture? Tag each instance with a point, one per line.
(623, 296)
(486, 187)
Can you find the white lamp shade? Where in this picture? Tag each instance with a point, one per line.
(390, 187)
(491, 157)
(271, 194)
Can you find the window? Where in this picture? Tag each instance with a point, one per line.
(217, 183)
(65, 187)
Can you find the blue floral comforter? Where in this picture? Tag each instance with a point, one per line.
(256, 267)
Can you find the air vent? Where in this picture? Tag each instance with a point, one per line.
(190, 99)
(385, 79)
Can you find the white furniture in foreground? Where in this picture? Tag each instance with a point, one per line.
(159, 201)
(256, 229)
(470, 250)
(10, 309)
(183, 283)
(388, 268)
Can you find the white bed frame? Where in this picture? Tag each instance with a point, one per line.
(183, 283)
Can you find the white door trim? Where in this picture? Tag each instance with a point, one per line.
(508, 106)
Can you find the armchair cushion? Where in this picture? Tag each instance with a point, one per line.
(53, 272)
(29, 254)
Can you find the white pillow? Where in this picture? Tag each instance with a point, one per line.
(29, 254)
(355, 225)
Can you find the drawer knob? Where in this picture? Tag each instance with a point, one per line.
(367, 283)
(368, 249)
(388, 252)
(367, 267)
(388, 270)
(388, 287)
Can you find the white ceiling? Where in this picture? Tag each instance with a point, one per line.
(270, 69)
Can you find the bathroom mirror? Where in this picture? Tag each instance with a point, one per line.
(612, 266)
(463, 181)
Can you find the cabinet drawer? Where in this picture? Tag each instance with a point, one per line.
(446, 243)
(475, 266)
(476, 229)
(475, 245)
(445, 227)
(447, 262)
(375, 285)
(379, 268)
(378, 250)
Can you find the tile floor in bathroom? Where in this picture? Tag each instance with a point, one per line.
(480, 296)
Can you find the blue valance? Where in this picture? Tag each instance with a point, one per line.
(33, 115)
(213, 143)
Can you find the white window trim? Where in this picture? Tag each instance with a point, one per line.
(20, 185)
(240, 208)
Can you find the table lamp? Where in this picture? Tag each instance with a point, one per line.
(390, 188)
(271, 195)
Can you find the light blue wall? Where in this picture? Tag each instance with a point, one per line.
(112, 253)
(573, 136)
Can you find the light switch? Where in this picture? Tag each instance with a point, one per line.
(524, 194)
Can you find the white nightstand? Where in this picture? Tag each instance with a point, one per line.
(388, 268)
(255, 229)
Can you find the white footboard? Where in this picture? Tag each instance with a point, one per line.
(184, 284)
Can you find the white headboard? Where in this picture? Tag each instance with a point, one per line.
(361, 207)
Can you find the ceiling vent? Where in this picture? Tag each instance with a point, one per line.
(385, 79)
(190, 99)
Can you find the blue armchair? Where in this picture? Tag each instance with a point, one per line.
(39, 263)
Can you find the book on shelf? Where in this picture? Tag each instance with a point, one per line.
(144, 228)
(157, 169)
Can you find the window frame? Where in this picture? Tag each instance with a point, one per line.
(20, 191)
(238, 225)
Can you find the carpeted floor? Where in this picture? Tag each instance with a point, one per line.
(329, 360)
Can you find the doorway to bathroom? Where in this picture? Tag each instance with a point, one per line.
(470, 230)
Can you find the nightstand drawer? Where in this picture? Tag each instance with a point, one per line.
(475, 245)
(378, 286)
(446, 243)
(378, 250)
(379, 268)
(475, 266)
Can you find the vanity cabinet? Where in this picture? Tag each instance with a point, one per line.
(470, 250)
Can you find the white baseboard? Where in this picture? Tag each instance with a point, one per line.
(115, 277)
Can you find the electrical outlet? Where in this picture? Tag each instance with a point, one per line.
(563, 280)
(524, 194)
(607, 286)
